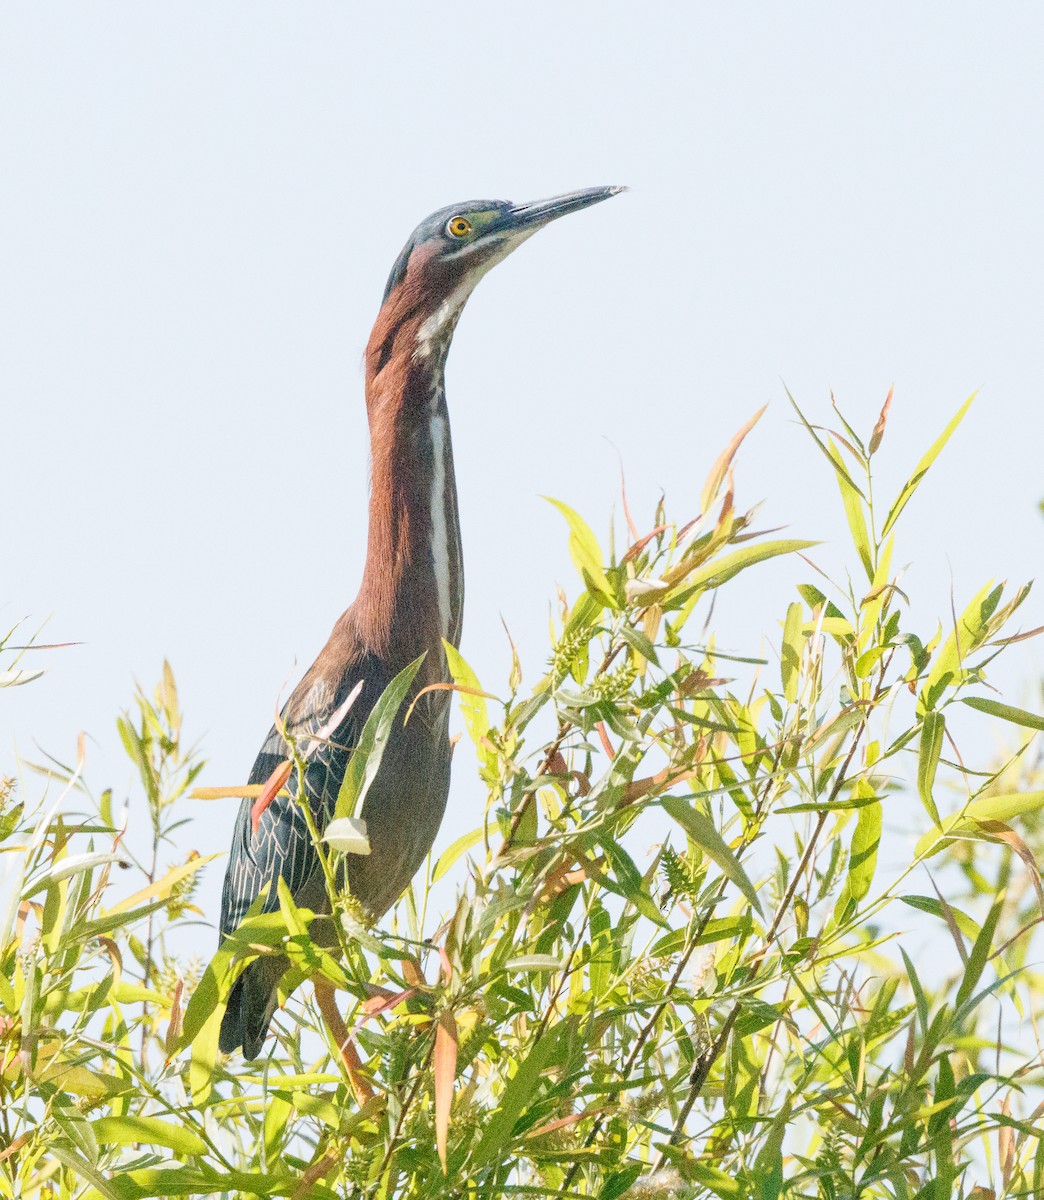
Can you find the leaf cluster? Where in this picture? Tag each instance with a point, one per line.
(755, 1006)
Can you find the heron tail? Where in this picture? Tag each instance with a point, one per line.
(251, 1004)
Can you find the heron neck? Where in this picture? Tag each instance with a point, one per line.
(413, 582)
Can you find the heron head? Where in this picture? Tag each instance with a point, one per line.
(450, 251)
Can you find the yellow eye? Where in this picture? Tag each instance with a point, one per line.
(458, 227)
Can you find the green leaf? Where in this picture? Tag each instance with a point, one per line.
(919, 471)
(947, 671)
(988, 808)
(585, 552)
(980, 952)
(202, 1021)
(472, 702)
(190, 1181)
(72, 864)
(1017, 716)
(631, 885)
(369, 750)
(920, 999)
(450, 855)
(126, 1131)
(544, 1052)
(9, 821)
(815, 437)
(620, 1181)
(76, 1128)
(852, 499)
(866, 838)
(930, 904)
(932, 731)
(109, 1189)
(716, 1181)
(790, 653)
(704, 833)
(278, 1111)
(534, 962)
(719, 570)
(637, 640)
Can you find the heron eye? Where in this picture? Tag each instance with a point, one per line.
(458, 227)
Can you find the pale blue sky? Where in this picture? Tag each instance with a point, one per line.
(199, 205)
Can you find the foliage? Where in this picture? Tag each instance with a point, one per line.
(758, 1007)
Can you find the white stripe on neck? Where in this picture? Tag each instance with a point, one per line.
(437, 329)
(440, 548)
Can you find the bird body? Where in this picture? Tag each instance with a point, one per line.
(410, 600)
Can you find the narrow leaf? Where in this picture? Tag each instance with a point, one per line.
(790, 652)
(444, 1064)
(919, 471)
(703, 832)
(500, 1123)
(932, 731)
(722, 569)
(989, 808)
(367, 755)
(853, 502)
(72, 864)
(126, 1131)
(980, 952)
(162, 887)
(720, 469)
(472, 700)
(585, 551)
(866, 838)
(450, 855)
(948, 669)
(1017, 716)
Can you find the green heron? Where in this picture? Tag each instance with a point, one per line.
(411, 597)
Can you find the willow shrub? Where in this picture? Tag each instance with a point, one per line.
(746, 1010)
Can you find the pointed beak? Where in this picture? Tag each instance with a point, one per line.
(531, 217)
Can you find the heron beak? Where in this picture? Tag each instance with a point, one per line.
(529, 218)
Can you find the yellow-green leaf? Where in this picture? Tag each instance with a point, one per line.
(472, 700)
(450, 855)
(162, 887)
(704, 833)
(1017, 716)
(866, 838)
(932, 731)
(790, 654)
(585, 552)
(721, 569)
(947, 670)
(126, 1131)
(919, 471)
(853, 502)
(989, 808)
(369, 750)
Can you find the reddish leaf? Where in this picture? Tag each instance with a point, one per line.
(603, 737)
(447, 966)
(1008, 835)
(444, 1062)
(379, 1004)
(879, 428)
(174, 1028)
(721, 467)
(272, 788)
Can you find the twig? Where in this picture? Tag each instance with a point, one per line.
(706, 1061)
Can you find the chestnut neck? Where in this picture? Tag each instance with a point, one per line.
(412, 589)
